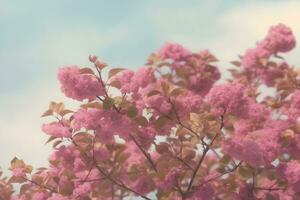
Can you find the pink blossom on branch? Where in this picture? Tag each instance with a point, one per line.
(173, 51)
(280, 38)
(56, 129)
(79, 86)
(171, 130)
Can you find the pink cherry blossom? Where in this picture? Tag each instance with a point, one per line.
(173, 51)
(56, 129)
(18, 172)
(173, 129)
(79, 86)
(280, 38)
(226, 98)
(131, 82)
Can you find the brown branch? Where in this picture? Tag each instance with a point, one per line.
(226, 172)
(195, 172)
(118, 110)
(148, 157)
(183, 162)
(91, 180)
(41, 186)
(268, 189)
(181, 124)
(206, 149)
(120, 184)
(108, 176)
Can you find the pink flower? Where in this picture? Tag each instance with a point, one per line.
(188, 102)
(56, 129)
(58, 197)
(66, 156)
(159, 103)
(79, 86)
(290, 171)
(131, 82)
(293, 109)
(82, 190)
(252, 57)
(169, 181)
(146, 136)
(226, 98)
(201, 85)
(87, 118)
(269, 74)
(19, 172)
(135, 156)
(144, 185)
(205, 192)
(242, 127)
(280, 38)
(142, 77)
(245, 193)
(79, 164)
(40, 196)
(125, 78)
(101, 153)
(173, 51)
(250, 109)
(256, 148)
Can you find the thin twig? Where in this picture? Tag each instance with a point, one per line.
(120, 184)
(42, 186)
(108, 176)
(148, 157)
(206, 149)
(145, 153)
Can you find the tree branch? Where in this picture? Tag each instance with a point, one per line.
(206, 149)
(148, 157)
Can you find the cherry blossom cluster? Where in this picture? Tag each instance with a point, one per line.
(278, 40)
(172, 130)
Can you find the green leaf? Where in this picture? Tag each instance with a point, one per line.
(160, 122)
(132, 112)
(245, 172)
(141, 120)
(107, 103)
(225, 159)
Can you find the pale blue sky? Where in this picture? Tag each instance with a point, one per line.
(37, 37)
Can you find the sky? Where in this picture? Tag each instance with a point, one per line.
(37, 37)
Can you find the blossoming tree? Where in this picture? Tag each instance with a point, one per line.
(170, 130)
